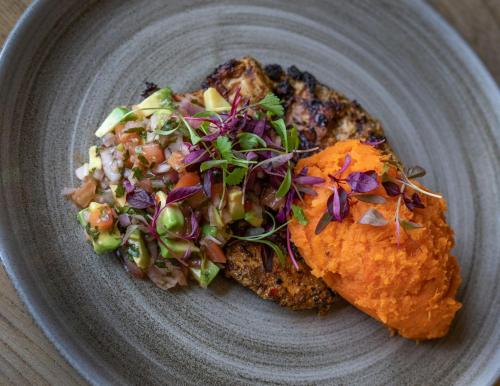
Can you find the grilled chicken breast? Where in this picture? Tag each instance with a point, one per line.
(322, 116)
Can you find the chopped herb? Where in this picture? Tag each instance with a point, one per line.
(119, 191)
(143, 160)
(137, 173)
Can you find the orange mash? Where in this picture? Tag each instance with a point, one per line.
(409, 287)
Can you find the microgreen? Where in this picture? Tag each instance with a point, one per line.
(250, 141)
(299, 214)
(373, 217)
(285, 185)
(235, 177)
(272, 104)
(140, 199)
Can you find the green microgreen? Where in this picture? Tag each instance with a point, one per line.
(299, 214)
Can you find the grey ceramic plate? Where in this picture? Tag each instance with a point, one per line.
(68, 63)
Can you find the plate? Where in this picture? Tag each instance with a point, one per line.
(68, 63)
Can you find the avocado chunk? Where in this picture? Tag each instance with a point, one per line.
(253, 218)
(107, 241)
(206, 273)
(235, 203)
(114, 118)
(214, 101)
(119, 195)
(136, 249)
(103, 242)
(208, 230)
(179, 247)
(157, 101)
(171, 219)
(95, 162)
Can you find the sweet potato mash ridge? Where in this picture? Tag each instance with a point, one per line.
(407, 282)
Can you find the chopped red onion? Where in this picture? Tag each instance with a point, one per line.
(124, 220)
(161, 168)
(108, 140)
(82, 172)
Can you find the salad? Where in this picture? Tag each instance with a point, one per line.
(172, 182)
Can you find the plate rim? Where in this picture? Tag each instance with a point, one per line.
(36, 306)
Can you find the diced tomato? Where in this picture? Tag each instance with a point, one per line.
(176, 160)
(214, 252)
(131, 139)
(153, 153)
(188, 179)
(102, 218)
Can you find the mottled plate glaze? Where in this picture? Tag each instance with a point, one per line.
(69, 62)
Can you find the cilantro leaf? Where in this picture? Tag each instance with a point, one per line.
(250, 140)
(299, 214)
(272, 104)
(223, 145)
(236, 176)
(285, 185)
(212, 164)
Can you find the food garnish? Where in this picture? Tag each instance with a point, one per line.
(182, 180)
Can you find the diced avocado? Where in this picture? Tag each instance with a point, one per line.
(253, 218)
(214, 101)
(179, 247)
(95, 162)
(171, 219)
(122, 200)
(81, 217)
(208, 230)
(159, 99)
(206, 273)
(136, 248)
(103, 242)
(113, 119)
(107, 241)
(235, 204)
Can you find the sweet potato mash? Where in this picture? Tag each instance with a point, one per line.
(408, 282)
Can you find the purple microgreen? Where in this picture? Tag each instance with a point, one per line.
(196, 157)
(208, 180)
(370, 198)
(284, 212)
(373, 217)
(345, 165)
(338, 204)
(129, 186)
(362, 182)
(140, 199)
(376, 141)
(290, 250)
(179, 194)
(413, 202)
(308, 180)
(277, 161)
(306, 190)
(251, 156)
(409, 225)
(323, 222)
(391, 188)
(415, 172)
(195, 228)
(236, 102)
